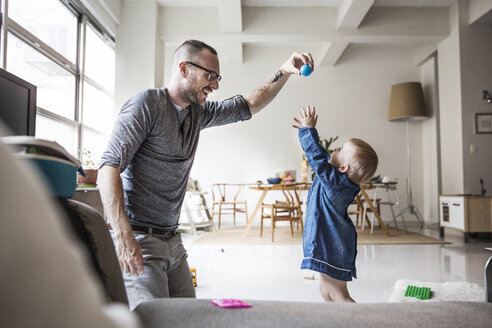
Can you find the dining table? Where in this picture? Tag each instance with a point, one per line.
(265, 188)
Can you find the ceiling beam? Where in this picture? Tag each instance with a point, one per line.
(231, 21)
(381, 25)
(352, 12)
(480, 10)
(422, 53)
(317, 29)
(230, 15)
(330, 53)
(302, 39)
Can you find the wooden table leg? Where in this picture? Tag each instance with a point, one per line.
(252, 217)
(367, 220)
(375, 211)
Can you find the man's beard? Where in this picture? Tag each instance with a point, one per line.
(191, 96)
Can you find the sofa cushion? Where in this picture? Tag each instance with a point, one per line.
(201, 313)
(91, 228)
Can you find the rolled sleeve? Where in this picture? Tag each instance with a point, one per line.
(131, 128)
(225, 112)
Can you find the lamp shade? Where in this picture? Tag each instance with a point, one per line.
(407, 102)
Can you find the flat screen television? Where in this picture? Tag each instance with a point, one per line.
(17, 104)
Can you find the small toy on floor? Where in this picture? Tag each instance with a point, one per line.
(309, 276)
(193, 273)
(422, 293)
(230, 303)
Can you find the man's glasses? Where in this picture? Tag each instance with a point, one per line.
(211, 76)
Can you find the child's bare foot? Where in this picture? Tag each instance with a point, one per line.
(333, 290)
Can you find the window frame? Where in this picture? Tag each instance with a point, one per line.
(84, 20)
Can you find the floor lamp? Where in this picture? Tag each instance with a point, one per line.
(407, 104)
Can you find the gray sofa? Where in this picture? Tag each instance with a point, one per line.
(201, 313)
(47, 281)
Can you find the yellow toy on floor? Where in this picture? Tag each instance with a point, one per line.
(193, 273)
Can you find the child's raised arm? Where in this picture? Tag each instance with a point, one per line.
(306, 119)
(316, 155)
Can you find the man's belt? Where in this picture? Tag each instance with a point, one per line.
(149, 230)
(152, 231)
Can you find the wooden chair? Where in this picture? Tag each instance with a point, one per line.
(225, 206)
(288, 210)
(361, 210)
(376, 204)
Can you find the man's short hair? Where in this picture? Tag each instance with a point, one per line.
(363, 164)
(190, 50)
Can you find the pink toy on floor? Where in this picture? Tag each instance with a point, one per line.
(230, 303)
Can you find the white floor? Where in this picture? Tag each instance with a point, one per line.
(271, 272)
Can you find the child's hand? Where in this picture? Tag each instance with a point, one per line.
(307, 119)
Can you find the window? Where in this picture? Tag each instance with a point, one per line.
(54, 46)
(66, 134)
(50, 21)
(56, 85)
(98, 92)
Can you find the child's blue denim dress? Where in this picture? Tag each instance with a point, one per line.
(330, 238)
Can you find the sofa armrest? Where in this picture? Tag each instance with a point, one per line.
(92, 230)
(179, 312)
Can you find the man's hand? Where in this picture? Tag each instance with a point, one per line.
(306, 119)
(130, 255)
(295, 62)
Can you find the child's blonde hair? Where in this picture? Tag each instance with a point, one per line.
(364, 163)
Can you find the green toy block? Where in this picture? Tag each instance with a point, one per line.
(422, 293)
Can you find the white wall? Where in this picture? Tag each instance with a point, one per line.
(430, 161)
(352, 99)
(450, 109)
(136, 50)
(476, 47)
(464, 71)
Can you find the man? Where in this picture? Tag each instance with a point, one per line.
(145, 168)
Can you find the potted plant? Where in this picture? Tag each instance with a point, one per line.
(325, 143)
(90, 168)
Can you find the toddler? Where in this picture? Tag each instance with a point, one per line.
(330, 238)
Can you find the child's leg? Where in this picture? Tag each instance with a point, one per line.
(333, 290)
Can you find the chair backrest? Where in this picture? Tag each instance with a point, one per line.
(292, 193)
(239, 187)
(288, 196)
(219, 191)
(297, 194)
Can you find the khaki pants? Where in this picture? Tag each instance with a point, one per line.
(166, 271)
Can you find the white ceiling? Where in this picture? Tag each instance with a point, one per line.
(331, 24)
(305, 3)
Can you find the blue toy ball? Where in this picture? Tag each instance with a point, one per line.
(306, 70)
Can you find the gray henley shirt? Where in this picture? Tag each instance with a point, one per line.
(154, 145)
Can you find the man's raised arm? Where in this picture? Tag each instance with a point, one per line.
(264, 94)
